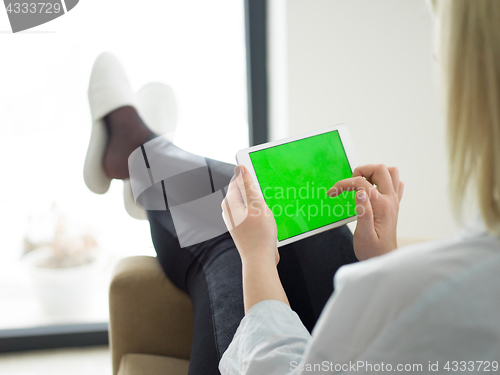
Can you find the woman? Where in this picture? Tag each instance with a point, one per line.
(423, 308)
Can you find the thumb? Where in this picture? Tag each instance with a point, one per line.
(246, 184)
(364, 210)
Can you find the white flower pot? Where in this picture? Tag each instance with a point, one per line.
(62, 290)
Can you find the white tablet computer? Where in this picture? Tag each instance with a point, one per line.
(294, 175)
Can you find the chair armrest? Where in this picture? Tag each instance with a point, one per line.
(148, 314)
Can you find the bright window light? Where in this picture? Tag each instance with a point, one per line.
(197, 47)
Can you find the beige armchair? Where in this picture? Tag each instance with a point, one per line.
(151, 321)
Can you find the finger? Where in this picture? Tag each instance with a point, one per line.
(394, 172)
(232, 199)
(234, 203)
(377, 174)
(240, 185)
(365, 228)
(233, 195)
(351, 184)
(247, 186)
(400, 190)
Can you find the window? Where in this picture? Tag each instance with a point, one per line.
(196, 47)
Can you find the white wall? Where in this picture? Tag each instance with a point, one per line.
(368, 64)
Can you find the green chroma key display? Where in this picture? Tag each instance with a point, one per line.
(294, 178)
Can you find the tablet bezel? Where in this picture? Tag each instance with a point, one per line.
(243, 158)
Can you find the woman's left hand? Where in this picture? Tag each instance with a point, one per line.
(248, 219)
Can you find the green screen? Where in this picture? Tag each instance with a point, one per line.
(294, 178)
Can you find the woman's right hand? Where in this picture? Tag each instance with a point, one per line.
(378, 193)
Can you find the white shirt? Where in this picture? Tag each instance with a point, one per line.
(423, 305)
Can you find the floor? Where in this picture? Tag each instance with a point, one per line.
(75, 361)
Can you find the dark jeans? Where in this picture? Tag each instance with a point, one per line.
(210, 271)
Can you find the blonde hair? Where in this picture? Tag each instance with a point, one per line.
(469, 56)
